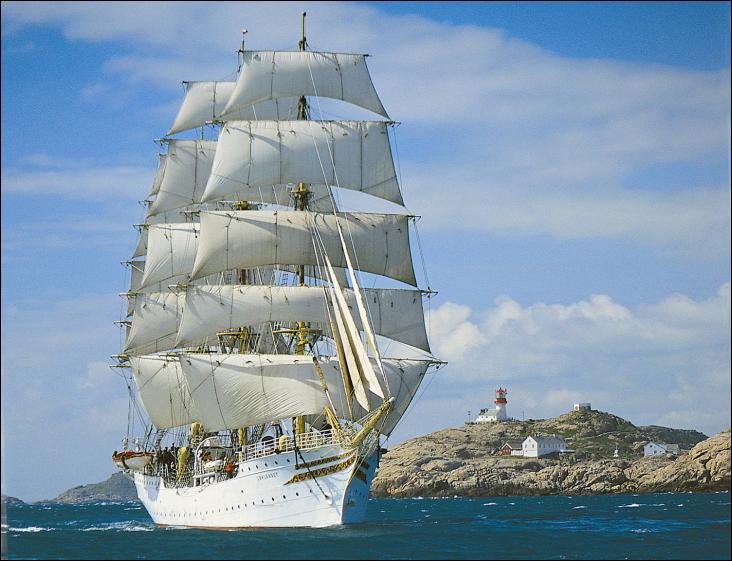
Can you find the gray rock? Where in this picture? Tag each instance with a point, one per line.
(464, 461)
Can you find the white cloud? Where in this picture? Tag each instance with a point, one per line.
(658, 363)
(513, 139)
(95, 182)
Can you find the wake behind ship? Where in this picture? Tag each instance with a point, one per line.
(262, 374)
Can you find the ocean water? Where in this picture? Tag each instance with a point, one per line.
(657, 526)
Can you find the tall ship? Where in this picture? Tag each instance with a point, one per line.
(264, 363)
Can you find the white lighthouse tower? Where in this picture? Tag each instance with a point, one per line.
(497, 414)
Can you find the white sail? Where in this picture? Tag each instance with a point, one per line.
(171, 250)
(354, 155)
(351, 340)
(253, 238)
(154, 322)
(276, 74)
(240, 390)
(163, 391)
(396, 314)
(162, 160)
(169, 216)
(136, 270)
(185, 176)
(204, 102)
(182, 178)
(232, 390)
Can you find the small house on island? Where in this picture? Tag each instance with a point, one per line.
(537, 445)
(658, 448)
(512, 448)
(582, 407)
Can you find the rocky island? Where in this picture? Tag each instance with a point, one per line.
(466, 461)
(118, 488)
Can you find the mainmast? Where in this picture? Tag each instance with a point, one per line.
(301, 194)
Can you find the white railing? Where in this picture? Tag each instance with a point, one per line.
(285, 443)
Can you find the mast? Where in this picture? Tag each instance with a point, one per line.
(301, 193)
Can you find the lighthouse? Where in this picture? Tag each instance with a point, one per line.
(501, 404)
(499, 413)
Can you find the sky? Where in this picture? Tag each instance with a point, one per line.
(569, 161)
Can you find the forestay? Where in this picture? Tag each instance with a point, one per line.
(353, 155)
(276, 74)
(163, 391)
(204, 102)
(248, 239)
(396, 314)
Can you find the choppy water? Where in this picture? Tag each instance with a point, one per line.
(658, 526)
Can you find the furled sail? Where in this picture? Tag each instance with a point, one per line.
(171, 249)
(396, 314)
(163, 391)
(185, 176)
(252, 238)
(232, 390)
(204, 102)
(276, 74)
(154, 322)
(353, 155)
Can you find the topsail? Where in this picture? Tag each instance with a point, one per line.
(276, 74)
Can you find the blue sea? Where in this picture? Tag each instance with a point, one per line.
(657, 526)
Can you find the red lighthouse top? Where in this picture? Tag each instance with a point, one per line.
(501, 395)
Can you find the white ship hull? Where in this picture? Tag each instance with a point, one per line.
(330, 489)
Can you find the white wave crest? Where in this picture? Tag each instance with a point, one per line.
(127, 526)
(31, 529)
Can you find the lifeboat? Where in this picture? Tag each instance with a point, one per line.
(135, 461)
